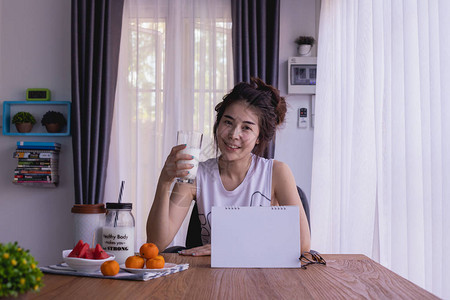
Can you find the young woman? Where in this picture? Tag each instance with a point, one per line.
(246, 121)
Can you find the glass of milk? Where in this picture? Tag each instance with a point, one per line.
(193, 141)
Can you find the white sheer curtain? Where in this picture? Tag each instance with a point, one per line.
(382, 136)
(175, 66)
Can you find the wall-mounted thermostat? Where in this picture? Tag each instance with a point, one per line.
(302, 73)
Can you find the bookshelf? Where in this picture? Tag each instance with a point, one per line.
(37, 109)
(37, 164)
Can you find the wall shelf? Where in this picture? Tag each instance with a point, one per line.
(37, 109)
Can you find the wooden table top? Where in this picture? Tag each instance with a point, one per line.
(345, 276)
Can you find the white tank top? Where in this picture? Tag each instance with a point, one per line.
(255, 190)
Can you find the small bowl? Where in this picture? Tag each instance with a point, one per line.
(84, 264)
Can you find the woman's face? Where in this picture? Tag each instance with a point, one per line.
(238, 131)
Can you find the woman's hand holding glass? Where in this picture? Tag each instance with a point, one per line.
(172, 169)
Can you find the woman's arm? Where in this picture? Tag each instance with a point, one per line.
(170, 207)
(285, 193)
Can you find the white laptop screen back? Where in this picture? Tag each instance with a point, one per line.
(255, 237)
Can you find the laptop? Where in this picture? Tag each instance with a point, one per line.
(255, 237)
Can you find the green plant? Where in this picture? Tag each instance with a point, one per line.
(305, 40)
(23, 117)
(18, 271)
(53, 117)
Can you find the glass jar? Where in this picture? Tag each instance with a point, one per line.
(118, 231)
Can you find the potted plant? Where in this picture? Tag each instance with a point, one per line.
(24, 121)
(19, 271)
(53, 121)
(305, 44)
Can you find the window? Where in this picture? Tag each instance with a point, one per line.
(175, 65)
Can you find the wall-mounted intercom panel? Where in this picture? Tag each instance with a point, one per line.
(302, 73)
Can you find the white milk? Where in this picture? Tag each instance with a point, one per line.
(119, 241)
(195, 152)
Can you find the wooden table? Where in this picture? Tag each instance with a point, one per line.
(345, 276)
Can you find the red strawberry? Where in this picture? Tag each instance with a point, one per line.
(83, 250)
(99, 253)
(76, 251)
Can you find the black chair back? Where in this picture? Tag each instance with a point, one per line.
(194, 233)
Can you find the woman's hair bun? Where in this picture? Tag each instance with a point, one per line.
(278, 102)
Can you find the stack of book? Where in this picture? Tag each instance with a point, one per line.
(37, 164)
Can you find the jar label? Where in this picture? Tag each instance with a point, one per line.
(119, 241)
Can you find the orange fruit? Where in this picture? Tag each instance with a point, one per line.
(135, 262)
(149, 250)
(155, 263)
(110, 268)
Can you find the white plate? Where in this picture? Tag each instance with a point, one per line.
(167, 266)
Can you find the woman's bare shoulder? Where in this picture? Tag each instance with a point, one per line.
(282, 174)
(283, 184)
(280, 168)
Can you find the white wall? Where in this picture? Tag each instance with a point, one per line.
(35, 52)
(294, 145)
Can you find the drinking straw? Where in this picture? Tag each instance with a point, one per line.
(93, 240)
(121, 190)
(120, 200)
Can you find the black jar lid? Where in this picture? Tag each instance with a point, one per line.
(115, 205)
